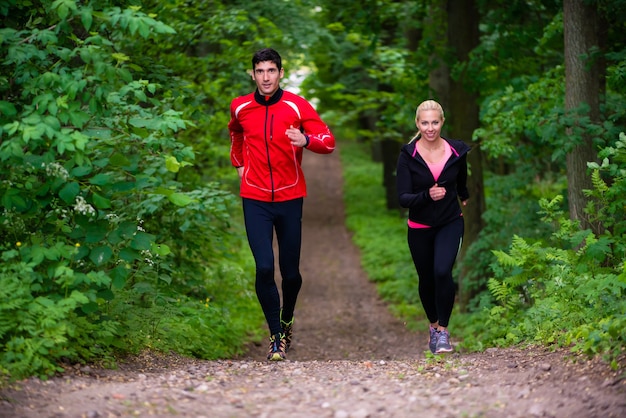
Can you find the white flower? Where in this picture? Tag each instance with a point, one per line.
(81, 206)
(56, 170)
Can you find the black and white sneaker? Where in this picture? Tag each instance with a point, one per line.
(288, 332)
(277, 348)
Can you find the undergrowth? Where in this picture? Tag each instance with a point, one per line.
(110, 242)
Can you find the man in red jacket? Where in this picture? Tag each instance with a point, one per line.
(269, 129)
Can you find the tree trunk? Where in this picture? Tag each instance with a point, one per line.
(390, 151)
(390, 148)
(436, 23)
(582, 86)
(463, 118)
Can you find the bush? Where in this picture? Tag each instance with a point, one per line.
(569, 288)
(105, 251)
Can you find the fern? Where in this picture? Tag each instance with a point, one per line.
(502, 292)
(570, 288)
(599, 185)
(506, 260)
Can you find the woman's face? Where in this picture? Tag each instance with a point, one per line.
(429, 123)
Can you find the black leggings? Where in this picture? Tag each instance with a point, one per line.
(434, 252)
(261, 219)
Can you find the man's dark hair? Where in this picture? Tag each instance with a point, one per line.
(266, 54)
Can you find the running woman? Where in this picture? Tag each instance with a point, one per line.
(431, 180)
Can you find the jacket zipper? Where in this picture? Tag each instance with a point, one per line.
(267, 147)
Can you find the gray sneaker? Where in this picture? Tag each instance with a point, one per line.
(432, 340)
(443, 343)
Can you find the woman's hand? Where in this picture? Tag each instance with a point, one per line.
(437, 192)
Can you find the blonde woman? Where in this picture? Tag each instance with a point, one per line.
(432, 184)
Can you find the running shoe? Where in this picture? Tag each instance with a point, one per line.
(432, 340)
(287, 331)
(443, 343)
(277, 348)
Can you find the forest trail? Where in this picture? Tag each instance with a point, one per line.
(350, 359)
(339, 315)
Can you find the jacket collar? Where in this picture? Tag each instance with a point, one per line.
(268, 101)
(458, 147)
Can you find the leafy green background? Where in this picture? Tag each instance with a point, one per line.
(120, 225)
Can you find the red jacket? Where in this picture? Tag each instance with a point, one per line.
(272, 166)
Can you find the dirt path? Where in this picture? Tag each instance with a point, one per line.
(350, 358)
(339, 315)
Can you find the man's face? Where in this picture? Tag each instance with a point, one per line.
(267, 77)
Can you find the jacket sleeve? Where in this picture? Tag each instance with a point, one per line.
(406, 197)
(236, 139)
(461, 180)
(321, 139)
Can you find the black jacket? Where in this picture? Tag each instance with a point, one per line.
(414, 179)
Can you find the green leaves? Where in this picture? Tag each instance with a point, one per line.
(7, 108)
(86, 17)
(553, 288)
(32, 132)
(69, 192)
(13, 199)
(172, 164)
(136, 22)
(100, 255)
(101, 202)
(99, 218)
(63, 7)
(142, 241)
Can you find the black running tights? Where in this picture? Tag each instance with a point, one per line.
(261, 220)
(434, 251)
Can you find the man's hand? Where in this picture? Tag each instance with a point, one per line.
(297, 138)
